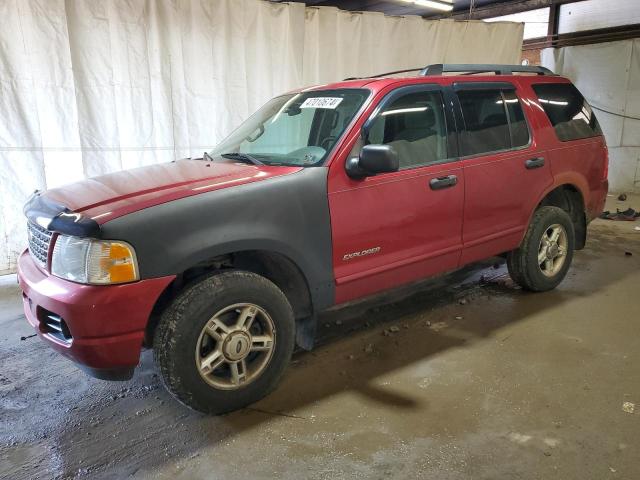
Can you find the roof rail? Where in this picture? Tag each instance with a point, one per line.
(386, 73)
(465, 68)
(440, 68)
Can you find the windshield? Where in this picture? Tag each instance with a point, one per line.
(298, 129)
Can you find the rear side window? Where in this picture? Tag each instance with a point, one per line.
(568, 111)
(493, 120)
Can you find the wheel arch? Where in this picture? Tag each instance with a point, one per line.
(287, 216)
(570, 198)
(272, 264)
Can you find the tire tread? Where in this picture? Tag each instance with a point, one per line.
(166, 348)
(519, 263)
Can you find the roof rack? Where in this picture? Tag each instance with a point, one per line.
(440, 68)
(386, 73)
(466, 69)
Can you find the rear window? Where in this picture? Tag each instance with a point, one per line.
(568, 111)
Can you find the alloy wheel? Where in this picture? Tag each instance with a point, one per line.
(552, 251)
(235, 346)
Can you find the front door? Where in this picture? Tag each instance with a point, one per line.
(394, 228)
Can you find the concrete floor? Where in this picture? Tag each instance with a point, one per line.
(481, 380)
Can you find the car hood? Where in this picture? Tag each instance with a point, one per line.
(110, 196)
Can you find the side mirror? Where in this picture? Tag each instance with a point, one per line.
(373, 159)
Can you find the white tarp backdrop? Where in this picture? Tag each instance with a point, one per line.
(92, 86)
(608, 75)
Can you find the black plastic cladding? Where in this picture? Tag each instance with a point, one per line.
(288, 215)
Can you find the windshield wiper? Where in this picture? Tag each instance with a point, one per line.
(207, 157)
(243, 157)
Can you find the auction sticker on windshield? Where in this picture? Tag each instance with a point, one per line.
(321, 102)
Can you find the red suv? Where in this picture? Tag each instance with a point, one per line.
(325, 195)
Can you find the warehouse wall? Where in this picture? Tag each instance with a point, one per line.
(608, 74)
(92, 86)
(593, 14)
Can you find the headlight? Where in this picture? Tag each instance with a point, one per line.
(100, 262)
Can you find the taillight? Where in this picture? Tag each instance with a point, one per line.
(605, 172)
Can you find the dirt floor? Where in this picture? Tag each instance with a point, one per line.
(464, 377)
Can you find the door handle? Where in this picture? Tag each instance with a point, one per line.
(443, 182)
(534, 163)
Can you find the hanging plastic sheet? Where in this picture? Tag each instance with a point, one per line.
(88, 87)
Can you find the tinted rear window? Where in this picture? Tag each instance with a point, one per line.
(568, 111)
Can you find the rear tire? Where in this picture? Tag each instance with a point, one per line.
(544, 257)
(225, 341)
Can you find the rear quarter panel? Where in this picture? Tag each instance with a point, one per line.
(581, 163)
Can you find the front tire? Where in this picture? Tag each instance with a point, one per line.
(544, 257)
(225, 341)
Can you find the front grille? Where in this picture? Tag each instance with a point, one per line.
(54, 325)
(39, 241)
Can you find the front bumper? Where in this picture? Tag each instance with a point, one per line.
(104, 324)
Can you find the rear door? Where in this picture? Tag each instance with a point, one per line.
(394, 228)
(506, 170)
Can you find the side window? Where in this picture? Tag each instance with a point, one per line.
(414, 124)
(568, 111)
(494, 121)
(517, 122)
(485, 119)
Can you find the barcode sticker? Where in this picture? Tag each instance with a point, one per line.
(321, 102)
